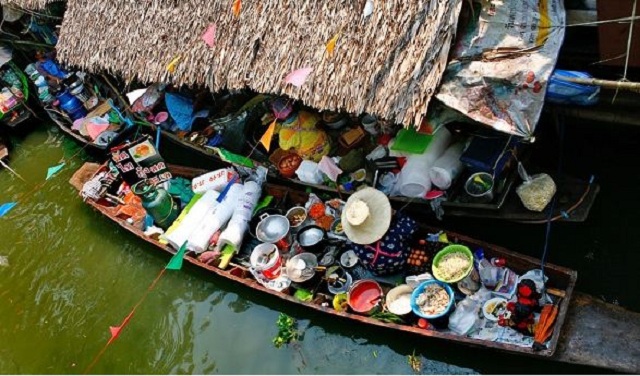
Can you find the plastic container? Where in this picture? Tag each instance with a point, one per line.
(480, 187)
(420, 289)
(265, 259)
(564, 92)
(453, 248)
(71, 105)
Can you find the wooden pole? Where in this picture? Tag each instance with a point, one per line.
(607, 84)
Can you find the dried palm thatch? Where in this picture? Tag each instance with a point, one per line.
(29, 4)
(388, 64)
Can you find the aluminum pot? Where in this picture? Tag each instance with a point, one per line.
(274, 229)
(255, 220)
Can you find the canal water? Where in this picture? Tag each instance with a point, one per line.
(72, 274)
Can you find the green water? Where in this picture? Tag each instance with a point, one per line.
(72, 274)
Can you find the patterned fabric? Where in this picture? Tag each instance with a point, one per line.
(389, 254)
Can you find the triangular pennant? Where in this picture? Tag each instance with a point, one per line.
(331, 44)
(4, 208)
(265, 140)
(237, 7)
(171, 67)
(209, 36)
(298, 77)
(115, 332)
(176, 261)
(54, 170)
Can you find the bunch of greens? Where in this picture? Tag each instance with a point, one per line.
(286, 330)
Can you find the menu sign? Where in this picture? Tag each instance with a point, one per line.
(139, 160)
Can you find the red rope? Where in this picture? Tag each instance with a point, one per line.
(124, 323)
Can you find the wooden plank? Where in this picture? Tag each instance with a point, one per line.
(601, 335)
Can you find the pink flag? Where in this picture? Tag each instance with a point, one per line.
(298, 77)
(209, 36)
(115, 332)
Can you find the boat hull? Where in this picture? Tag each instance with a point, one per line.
(562, 278)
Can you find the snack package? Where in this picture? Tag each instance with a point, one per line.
(536, 191)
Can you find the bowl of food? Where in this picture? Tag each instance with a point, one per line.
(289, 164)
(296, 216)
(493, 308)
(336, 227)
(452, 264)
(432, 299)
(398, 300)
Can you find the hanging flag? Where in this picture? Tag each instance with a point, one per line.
(268, 135)
(209, 36)
(176, 261)
(298, 77)
(331, 45)
(237, 7)
(4, 208)
(54, 170)
(115, 332)
(171, 68)
(368, 9)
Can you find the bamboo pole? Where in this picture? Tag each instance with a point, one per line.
(607, 84)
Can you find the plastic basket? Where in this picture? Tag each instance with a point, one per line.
(445, 251)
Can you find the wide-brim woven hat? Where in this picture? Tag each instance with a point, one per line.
(366, 216)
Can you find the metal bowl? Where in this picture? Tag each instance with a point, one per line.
(272, 228)
(302, 267)
(312, 238)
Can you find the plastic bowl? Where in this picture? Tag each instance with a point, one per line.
(418, 290)
(399, 292)
(453, 248)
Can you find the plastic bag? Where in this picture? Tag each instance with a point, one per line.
(537, 191)
(466, 316)
(564, 92)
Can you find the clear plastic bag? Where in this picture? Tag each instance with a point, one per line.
(537, 191)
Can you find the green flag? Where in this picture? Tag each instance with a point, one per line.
(176, 261)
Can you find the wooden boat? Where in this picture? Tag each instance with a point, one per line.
(106, 95)
(561, 279)
(575, 196)
(16, 113)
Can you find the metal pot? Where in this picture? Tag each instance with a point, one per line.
(312, 239)
(274, 229)
(255, 220)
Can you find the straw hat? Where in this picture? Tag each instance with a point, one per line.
(366, 216)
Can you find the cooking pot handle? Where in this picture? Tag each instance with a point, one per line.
(264, 215)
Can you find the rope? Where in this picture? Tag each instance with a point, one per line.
(547, 235)
(124, 323)
(628, 52)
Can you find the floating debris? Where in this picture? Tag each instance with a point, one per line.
(4, 261)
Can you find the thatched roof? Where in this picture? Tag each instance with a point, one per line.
(29, 4)
(389, 63)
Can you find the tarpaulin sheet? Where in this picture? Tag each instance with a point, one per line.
(502, 62)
